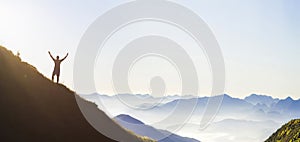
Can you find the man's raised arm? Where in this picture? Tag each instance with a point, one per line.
(64, 57)
(51, 55)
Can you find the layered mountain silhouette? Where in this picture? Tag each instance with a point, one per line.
(261, 115)
(290, 132)
(258, 104)
(142, 129)
(33, 108)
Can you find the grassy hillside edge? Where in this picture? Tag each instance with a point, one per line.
(289, 132)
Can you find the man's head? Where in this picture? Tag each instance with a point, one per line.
(57, 57)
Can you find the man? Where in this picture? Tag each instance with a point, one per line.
(57, 62)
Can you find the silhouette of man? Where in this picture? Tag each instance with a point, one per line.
(57, 62)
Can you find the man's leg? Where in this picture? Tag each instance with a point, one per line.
(52, 77)
(57, 80)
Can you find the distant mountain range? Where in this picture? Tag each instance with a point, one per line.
(139, 99)
(260, 114)
(142, 129)
(252, 106)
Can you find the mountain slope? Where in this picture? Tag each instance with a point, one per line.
(33, 108)
(142, 129)
(289, 132)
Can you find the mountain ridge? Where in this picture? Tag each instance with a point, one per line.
(142, 129)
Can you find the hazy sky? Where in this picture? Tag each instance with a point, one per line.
(259, 40)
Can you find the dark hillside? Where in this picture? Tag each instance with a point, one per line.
(33, 108)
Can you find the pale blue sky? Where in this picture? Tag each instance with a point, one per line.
(259, 39)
